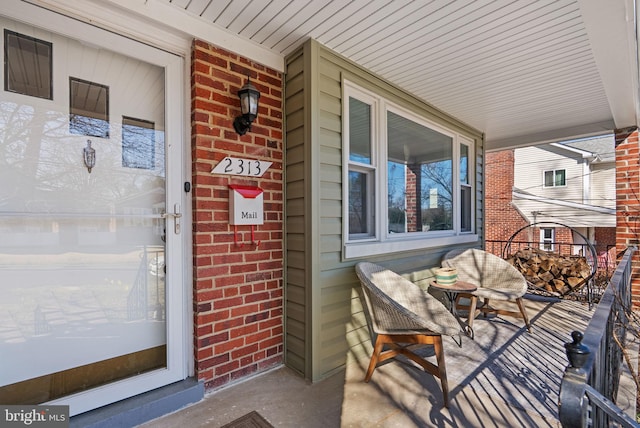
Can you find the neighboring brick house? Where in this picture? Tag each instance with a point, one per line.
(551, 185)
(502, 219)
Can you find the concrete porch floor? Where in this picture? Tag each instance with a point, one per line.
(506, 377)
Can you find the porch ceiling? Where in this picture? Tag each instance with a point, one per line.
(523, 72)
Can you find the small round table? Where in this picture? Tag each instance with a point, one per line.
(452, 291)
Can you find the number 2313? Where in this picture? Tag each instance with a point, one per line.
(237, 166)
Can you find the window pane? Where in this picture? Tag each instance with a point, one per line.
(396, 184)
(547, 237)
(548, 179)
(560, 178)
(88, 108)
(464, 164)
(465, 208)
(420, 176)
(27, 65)
(359, 131)
(360, 207)
(138, 143)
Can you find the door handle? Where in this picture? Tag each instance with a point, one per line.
(176, 214)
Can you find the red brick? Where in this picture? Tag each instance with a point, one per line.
(244, 310)
(228, 324)
(238, 272)
(229, 345)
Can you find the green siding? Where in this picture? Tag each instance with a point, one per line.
(296, 272)
(325, 325)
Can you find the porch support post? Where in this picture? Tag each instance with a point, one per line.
(628, 201)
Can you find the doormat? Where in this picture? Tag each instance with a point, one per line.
(250, 420)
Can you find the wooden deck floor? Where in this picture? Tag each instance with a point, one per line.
(506, 377)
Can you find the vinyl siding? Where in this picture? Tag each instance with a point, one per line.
(530, 164)
(326, 317)
(296, 229)
(588, 185)
(603, 181)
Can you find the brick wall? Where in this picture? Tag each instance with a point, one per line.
(628, 200)
(502, 220)
(237, 289)
(605, 238)
(562, 235)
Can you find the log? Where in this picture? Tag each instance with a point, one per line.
(574, 281)
(551, 272)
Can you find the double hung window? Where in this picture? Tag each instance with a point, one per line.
(547, 238)
(408, 183)
(362, 169)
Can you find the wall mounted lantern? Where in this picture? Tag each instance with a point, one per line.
(249, 96)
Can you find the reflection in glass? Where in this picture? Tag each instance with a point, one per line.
(138, 143)
(27, 65)
(88, 108)
(464, 164)
(360, 207)
(84, 299)
(359, 131)
(465, 190)
(419, 177)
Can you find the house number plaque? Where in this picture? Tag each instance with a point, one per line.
(237, 166)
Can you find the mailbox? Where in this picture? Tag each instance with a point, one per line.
(245, 205)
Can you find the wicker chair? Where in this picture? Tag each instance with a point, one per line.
(402, 314)
(495, 278)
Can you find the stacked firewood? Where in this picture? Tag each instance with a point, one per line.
(550, 272)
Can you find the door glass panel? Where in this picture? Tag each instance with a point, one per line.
(27, 65)
(82, 254)
(88, 108)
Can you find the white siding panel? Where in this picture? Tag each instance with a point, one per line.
(603, 184)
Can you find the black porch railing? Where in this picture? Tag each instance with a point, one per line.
(590, 383)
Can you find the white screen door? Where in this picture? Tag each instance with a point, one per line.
(90, 217)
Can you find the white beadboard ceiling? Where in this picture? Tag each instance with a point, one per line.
(521, 71)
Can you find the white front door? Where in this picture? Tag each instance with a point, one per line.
(91, 225)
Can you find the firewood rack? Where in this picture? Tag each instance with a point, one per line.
(592, 261)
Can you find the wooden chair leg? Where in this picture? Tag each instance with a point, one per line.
(523, 311)
(393, 342)
(442, 369)
(486, 308)
(472, 310)
(377, 349)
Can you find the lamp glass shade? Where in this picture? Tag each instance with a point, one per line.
(249, 100)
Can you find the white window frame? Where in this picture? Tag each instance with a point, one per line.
(383, 242)
(372, 171)
(544, 180)
(544, 241)
(468, 142)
